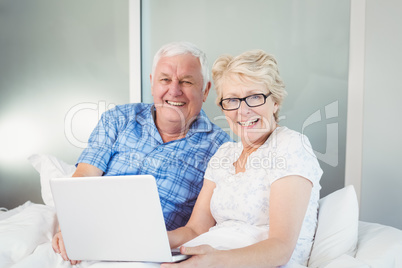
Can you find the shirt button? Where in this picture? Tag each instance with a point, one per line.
(160, 149)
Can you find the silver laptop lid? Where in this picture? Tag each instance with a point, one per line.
(111, 218)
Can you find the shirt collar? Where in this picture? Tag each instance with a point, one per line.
(200, 124)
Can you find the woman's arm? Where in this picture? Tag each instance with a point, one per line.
(289, 200)
(200, 221)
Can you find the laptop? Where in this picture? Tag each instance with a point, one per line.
(112, 218)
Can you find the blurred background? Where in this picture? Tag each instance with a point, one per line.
(63, 63)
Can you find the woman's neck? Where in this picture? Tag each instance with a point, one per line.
(251, 146)
(248, 149)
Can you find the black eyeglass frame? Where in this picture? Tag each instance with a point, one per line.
(245, 100)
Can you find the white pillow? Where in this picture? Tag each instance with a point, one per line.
(337, 230)
(346, 261)
(50, 167)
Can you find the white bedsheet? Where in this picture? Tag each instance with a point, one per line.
(26, 233)
(25, 241)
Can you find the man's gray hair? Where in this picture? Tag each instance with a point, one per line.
(179, 48)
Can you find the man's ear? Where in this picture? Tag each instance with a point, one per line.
(152, 86)
(206, 91)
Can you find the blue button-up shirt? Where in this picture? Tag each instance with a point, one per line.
(127, 142)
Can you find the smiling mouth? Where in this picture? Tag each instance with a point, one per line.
(175, 103)
(248, 123)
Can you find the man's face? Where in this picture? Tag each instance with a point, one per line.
(177, 90)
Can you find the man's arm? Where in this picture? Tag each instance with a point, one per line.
(87, 170)
(83, 170)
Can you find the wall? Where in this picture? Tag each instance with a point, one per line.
(381, 199)
(62, 63)
(233, 26)
(310, 40)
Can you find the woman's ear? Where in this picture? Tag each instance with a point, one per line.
(276, 107)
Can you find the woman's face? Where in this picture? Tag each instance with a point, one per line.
(252, 124)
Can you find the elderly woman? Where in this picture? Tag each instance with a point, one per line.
(258, 205)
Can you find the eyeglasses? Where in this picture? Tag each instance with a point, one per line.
(230, 104)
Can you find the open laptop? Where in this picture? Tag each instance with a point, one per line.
(112, 218)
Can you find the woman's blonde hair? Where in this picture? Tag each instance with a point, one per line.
(254, 66)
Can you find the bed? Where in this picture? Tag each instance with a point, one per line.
(341, 239)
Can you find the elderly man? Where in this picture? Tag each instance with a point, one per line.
(172, 139)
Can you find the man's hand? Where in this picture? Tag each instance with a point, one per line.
(83, 170)
(58, 247)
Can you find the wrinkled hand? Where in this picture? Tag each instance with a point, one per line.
(202, 256)
(58, 247)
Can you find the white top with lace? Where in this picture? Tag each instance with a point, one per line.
(240, 202)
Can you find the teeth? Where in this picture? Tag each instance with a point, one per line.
(175, 103)
(248, 123)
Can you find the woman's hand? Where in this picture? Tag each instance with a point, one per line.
(202, 256)
(58, 247)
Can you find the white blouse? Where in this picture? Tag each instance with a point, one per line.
(240, 202)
